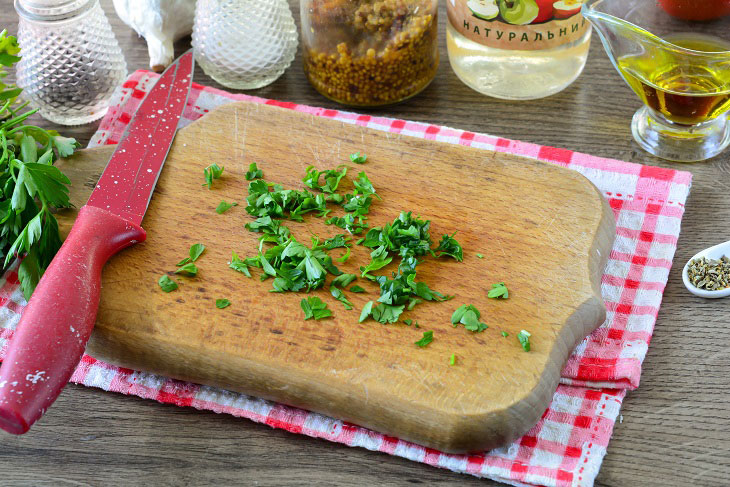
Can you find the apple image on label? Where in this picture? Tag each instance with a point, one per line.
(484, 9)
(566, 8)
(518, 12)
(546, 11)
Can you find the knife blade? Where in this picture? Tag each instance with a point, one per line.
(55, 326)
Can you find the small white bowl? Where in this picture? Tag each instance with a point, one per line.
(712, 253)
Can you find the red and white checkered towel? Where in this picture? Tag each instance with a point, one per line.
(566, 447)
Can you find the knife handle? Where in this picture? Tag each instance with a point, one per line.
(56, 324)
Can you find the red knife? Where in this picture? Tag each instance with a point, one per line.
(52, 333)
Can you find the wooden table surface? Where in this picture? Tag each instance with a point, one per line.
(675, 426)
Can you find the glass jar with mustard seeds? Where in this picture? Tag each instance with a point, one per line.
(369, 52)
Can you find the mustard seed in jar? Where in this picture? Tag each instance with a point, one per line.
(369, 53)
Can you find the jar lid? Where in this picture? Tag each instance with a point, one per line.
(52, 10)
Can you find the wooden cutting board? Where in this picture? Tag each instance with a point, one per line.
(543, 230)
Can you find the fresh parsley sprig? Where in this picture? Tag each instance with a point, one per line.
(31, 188)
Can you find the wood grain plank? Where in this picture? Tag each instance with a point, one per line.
(122, 436)
(549, 241)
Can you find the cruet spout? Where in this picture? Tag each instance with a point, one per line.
(677, 61)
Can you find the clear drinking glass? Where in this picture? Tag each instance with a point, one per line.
(678, 63)
(369, 52)
(71, 62)
(244, 44)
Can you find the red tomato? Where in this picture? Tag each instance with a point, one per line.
(696, 9)
(546, 11)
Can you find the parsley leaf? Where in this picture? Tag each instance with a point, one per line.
(468, 316)
(332, 178)
(314, 307)
(366, 311)
(339, 240)
(357, 289)
(214, 171)
(480, 256)
(347, 222)
(238, 265)
(427, 338)
(222, 303)
(387, 313)
(364, 186)
(358, 158)
(524, 338)
(253, 172)
(345, 256)
(189, 269)
(196, 250)
(224, 207)
(343, 280)
(498, 290)
(449, 246)
(505, 334)
(379, 259)
(452, 359)
(340, 296)
(167, 284)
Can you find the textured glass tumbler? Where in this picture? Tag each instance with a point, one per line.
(244, 44)
(71, 62)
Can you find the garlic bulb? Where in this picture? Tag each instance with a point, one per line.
(160, 22)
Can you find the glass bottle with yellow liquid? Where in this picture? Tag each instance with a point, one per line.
(517, 49)
(679, 67)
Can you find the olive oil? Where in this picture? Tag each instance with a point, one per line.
(683, 91)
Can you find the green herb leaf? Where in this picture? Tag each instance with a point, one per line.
(358, 158)
(224, 207)
(238, 265)
(345, 256)
(357, 289)
(366, 311)
(314, 307)
(167, 284)
(449, 246)
(524, 338)
(214, 171)
(189, 269)
(332, 178)
(196, 250)
(408, 322)
(480, 256)
(427, 338)
(364, 186)
(338, 241)
(340, 296)
(498, 290)
(387, 313)
(343, 280)
(222, 303)
(253, 172)
(468, 316)
(379, 259)
(452, 359)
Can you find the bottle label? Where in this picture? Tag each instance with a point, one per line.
(528, 25)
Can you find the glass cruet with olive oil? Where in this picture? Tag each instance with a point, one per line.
(678, 63)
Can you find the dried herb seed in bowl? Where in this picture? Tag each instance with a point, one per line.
(710, 274)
